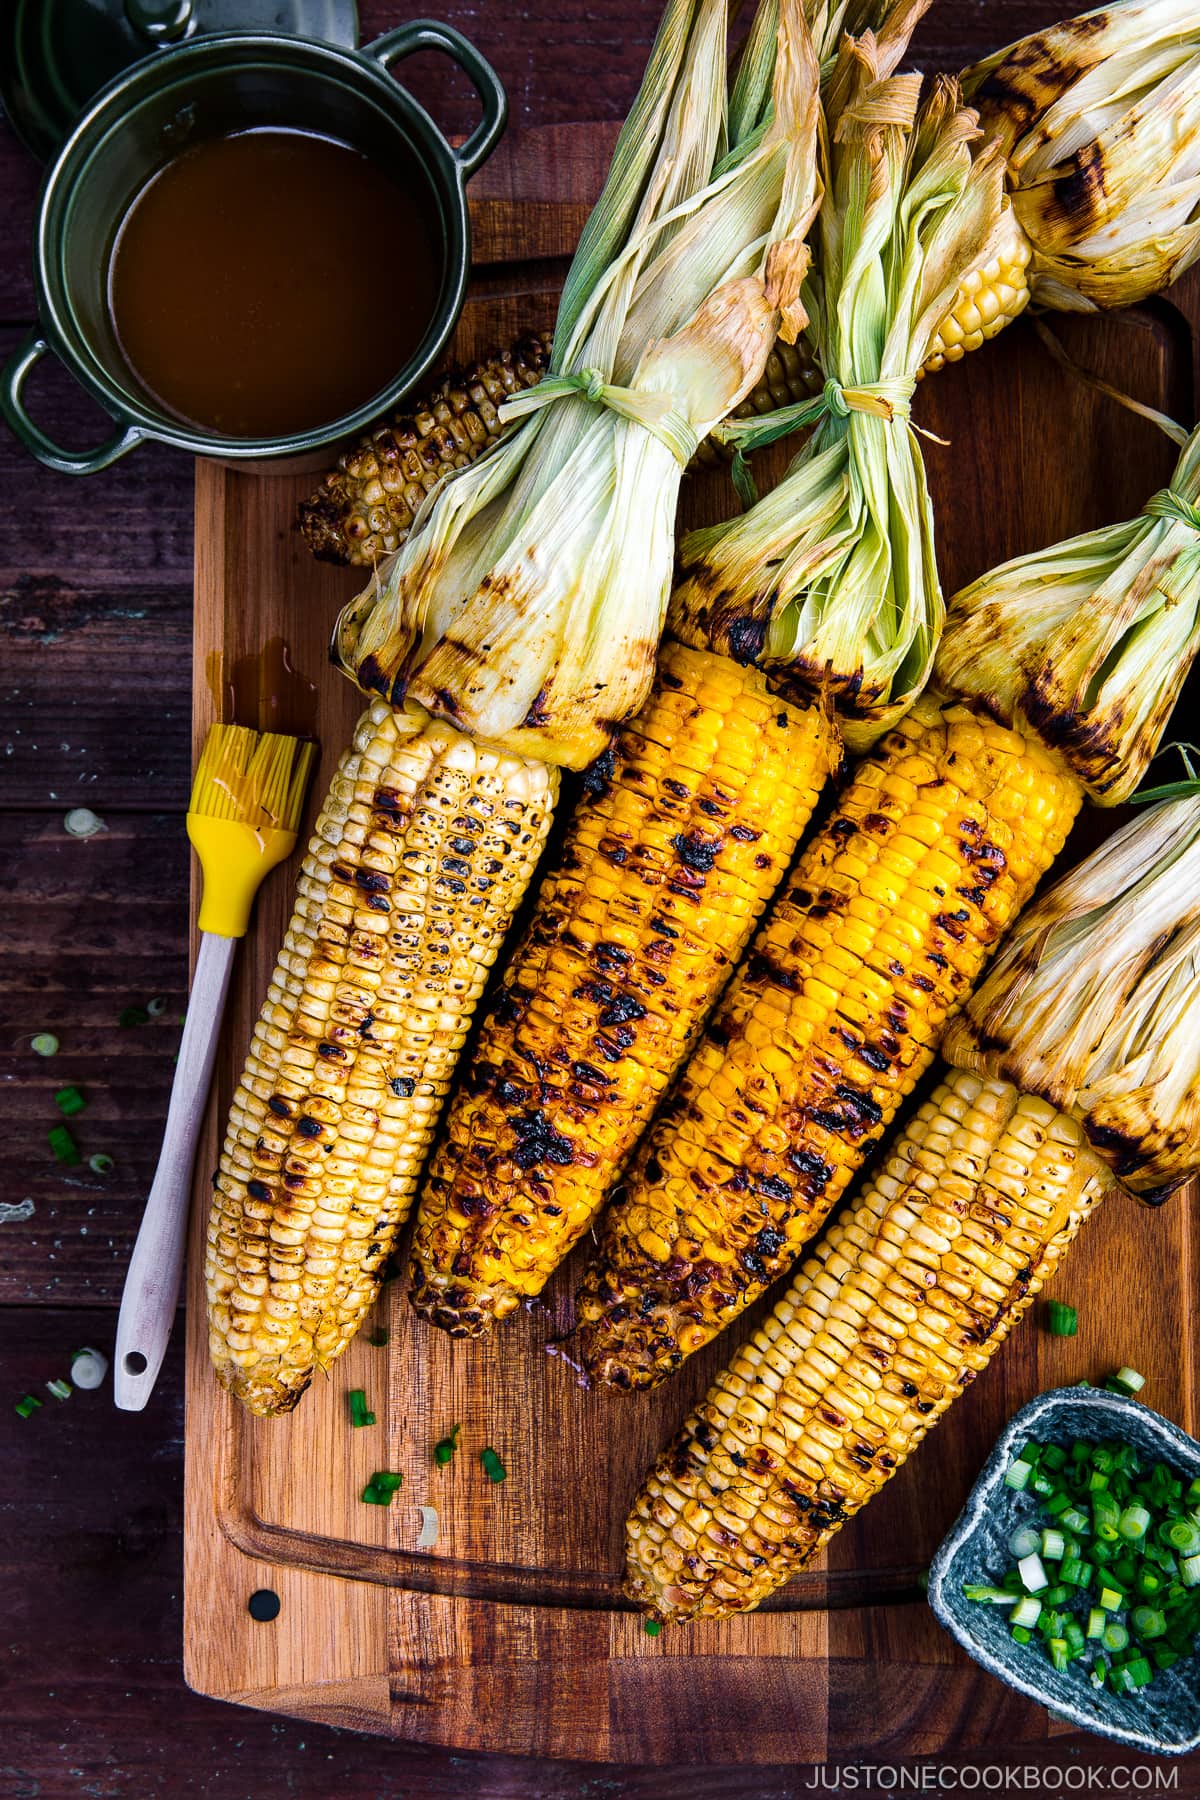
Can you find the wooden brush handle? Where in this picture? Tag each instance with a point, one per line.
(152, 1284)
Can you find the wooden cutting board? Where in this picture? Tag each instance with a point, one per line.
(511, 1634)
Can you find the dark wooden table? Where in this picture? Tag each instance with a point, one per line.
(95, 598)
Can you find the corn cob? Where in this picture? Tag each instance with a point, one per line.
(419, 856)
(903, 1303)
(989, 296)
(364, 508)
(689, 825)
(880, 933)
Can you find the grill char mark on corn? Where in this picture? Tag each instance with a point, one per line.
(418, 860)
(690, 823)
(881, 931)
(904, 1302)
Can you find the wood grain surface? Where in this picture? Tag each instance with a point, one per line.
(95, 673)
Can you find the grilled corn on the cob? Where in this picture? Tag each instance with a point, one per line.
(364, 508)
(688, 827)
(881, 931)
(902, 1304)
(419, 856)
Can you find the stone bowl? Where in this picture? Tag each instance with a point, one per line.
(1164, 1718)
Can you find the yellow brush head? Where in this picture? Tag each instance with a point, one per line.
(243, 816)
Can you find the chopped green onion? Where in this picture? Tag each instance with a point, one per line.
(1073, 1520)
(652, 1627)
(1184, 1536)
(88, 1368)
(1096, 1621)
(44, 1043)
(1052, 1545)
(28, 1405)
(1027, 1611)
(1189, 1571)
(1139, 1672)
(133, 1015)
(1018, 1474)
(359, 1413)
(100, 1164)
(65, 1149)
(444, 1449)
(1063, 1320)
(381, 1488)
(1022, 1634)
(1033, 1575)
(1054, 1596)
(1133, 1523)
(1128, 1381)
(1025, 1540)
(377, 1339)
(1115, 1636)
(493, 1468)
(69, 1101)
(157, 1007)
(60, 1389)
(1148, 1622)
(990, 1596)
(1111, 1600)
(1058, 1652)
(82, 822)
(1054, 1457)
(1075, 1573)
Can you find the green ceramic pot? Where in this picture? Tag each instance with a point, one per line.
(208, 86)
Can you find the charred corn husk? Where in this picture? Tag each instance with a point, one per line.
(830, 581)
(418, 859)
(528, 603)
(1099, 119)
(364, 509)
(902, 1304)
(881, 930)
(1089, 643)
(685, 830)
(1091, 1003)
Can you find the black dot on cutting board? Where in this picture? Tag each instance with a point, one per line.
(263, 1605)
(135, 1363)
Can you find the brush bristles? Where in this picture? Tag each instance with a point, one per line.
(259, 778)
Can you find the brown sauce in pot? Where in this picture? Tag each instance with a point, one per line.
(271, 281)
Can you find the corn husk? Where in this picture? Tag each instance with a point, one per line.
(527, 603)
(1089, 643)
(1099, 118)
(1092, 1000)
(831, 581)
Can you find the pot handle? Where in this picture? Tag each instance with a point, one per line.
(431, 34)
(12, 406)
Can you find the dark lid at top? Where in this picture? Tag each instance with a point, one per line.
(56, 54)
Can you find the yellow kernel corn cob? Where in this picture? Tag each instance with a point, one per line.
(419, 857)
(689, 825)
(364, 508)
(882, 928)
(903, 1303)
(989, 297)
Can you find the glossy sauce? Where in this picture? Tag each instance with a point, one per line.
(271, 281)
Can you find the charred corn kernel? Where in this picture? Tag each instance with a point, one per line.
(882, 928)
(903, 1302)
(419, 857)
(685, 831)
(364, 509)
(989, 297)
